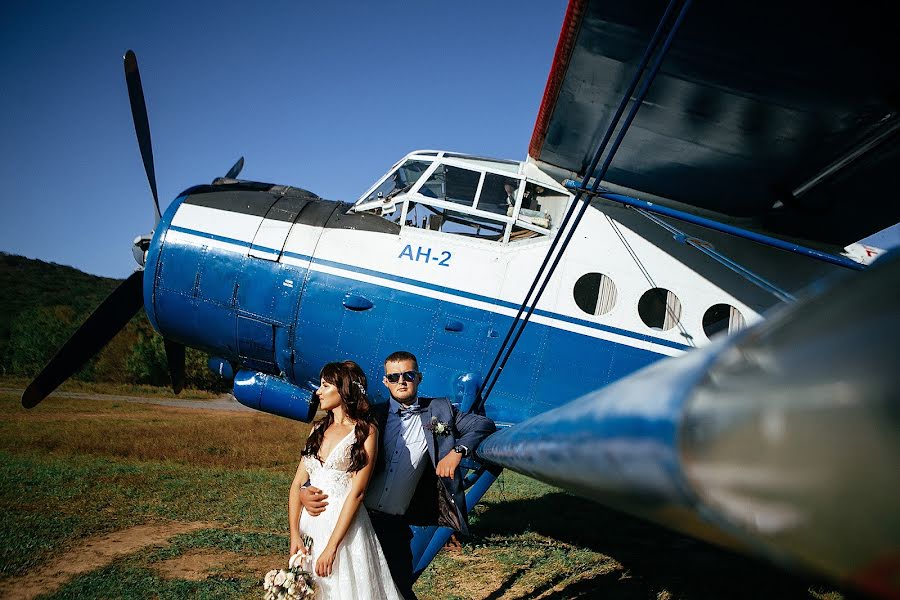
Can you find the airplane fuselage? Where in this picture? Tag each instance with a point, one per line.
(281, 282)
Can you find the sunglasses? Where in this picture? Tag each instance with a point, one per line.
(410, 376)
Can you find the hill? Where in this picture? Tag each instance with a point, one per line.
(42, 304)
(26, 284)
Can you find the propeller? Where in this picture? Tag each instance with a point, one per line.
(141, 124)
(126, 300)
(175, 360)
(103, 324)
(235, 169)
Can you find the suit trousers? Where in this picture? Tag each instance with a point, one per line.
(395, 535)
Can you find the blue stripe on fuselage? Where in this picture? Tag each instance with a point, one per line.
(442, 289)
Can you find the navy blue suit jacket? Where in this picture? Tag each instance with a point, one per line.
(430, 504)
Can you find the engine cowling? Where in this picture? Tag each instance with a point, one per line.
(216, 277)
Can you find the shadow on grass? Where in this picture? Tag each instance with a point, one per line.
(653, 559)
(507, 583)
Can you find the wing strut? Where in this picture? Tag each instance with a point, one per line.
(529, 304)
(644, 207)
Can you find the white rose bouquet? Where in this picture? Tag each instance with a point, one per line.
(295, 582)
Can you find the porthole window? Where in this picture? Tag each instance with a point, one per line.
(722, 317)
(595, 293)
(659, 309)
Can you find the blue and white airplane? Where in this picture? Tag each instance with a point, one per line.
(742, 146)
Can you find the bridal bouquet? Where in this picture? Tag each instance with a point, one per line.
(293, 583)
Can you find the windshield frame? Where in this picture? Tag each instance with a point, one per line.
(435, 159)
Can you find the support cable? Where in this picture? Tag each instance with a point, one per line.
(707, 249)
(620, 110)
(676, 317)
(528, 306)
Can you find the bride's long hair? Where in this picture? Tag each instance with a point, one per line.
(350, 381)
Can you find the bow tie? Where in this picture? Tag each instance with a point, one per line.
(409, 411)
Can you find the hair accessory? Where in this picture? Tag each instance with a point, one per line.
(362, 390)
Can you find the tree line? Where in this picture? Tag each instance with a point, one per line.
(136, 355)
(41, 306)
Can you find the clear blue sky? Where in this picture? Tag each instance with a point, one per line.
(322, 95)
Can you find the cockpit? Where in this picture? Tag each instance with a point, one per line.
(489, 199)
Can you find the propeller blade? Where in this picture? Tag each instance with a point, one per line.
(175, 358)
(235, 169)
(103, 324)
(141, 122)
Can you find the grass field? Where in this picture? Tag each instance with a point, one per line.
(108, 499)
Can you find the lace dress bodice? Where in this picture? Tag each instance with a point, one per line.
(332, 476)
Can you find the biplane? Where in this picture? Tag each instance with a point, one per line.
(622, 302)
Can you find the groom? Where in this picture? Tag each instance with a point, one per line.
(417, 479)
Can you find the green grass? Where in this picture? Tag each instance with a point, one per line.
(248, 543)
(123, 579)
(126, 575)
(50, 503)
(528, 540)
(513, 552)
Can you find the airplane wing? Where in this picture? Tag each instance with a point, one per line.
(781, 440)
(781, 116)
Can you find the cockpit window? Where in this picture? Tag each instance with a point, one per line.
(486, 214)
(541, 207)
(437, 218)
(469, 197)
(452, 184)
(498, 194)
(401, 180)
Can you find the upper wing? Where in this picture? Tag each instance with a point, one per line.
(783, 115)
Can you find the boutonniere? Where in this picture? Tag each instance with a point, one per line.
(438, 427)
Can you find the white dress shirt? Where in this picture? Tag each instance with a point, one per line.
(405, 459)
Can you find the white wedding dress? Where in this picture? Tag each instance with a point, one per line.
(360, 570)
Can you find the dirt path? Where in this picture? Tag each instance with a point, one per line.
(200, 563)
(225, 402)
(91, 554)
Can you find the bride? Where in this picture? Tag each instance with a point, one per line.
(338, 458)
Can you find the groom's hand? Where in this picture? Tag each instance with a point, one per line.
(446, 467)
(313, 499)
